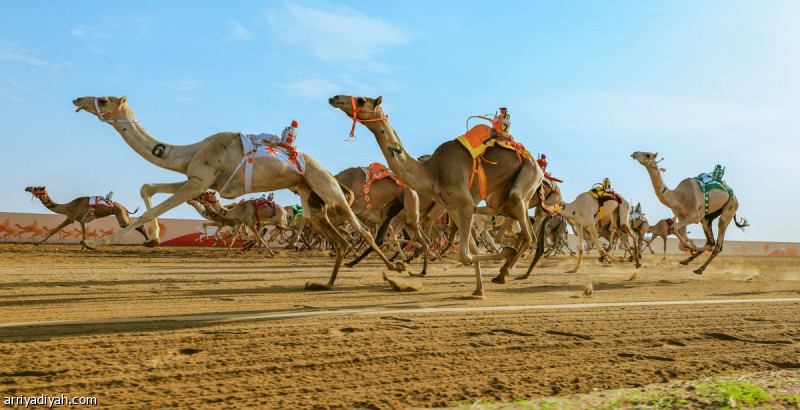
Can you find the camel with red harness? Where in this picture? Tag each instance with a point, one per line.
(381, 197)
(225, 162)
(254, 213)
(506, 180)
(692, 204)
(84, 210)
(214, 219)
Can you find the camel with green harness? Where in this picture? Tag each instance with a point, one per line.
(695, 200)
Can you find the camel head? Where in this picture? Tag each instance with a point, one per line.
(648, 159)
(105, 104)
(366, 108)
(36, 190)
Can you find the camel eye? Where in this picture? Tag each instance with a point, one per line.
(648, 155)
(103, 101)
(361, 101)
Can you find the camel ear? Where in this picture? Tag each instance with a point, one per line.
(655, 155)
(378, 101)
(123, 100)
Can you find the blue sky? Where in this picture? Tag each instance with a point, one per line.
(587, 83)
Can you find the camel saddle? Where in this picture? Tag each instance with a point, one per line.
(547, 179)
(374, 172)
(254, 148)
(94, 201)
(604, 196)
(259, 202)
(707, 183)
(477, 140)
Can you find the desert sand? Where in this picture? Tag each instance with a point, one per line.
(202, 327)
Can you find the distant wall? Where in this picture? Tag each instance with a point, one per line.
(24, 227)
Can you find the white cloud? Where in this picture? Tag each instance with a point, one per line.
(12, 53)
(237, 31)
(183, 84)
(335, 35)
(91, 36)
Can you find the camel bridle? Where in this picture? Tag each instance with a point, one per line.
(355, 118)
(101, 115)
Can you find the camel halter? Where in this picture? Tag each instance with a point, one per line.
(654, 164)
(355, 118)
(101, 114)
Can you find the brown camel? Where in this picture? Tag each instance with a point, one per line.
(445, 177)
(556, 231)
(216, 163)
(79, 210)
(661, 230)
(688, 204)
(252, 213)
(584, 214)
(385, 200)
(206, 211)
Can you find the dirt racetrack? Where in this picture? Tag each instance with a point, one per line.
(201, 327)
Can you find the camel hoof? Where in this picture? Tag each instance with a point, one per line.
(698, 271)
(350, 264)
(681, 262)
(89, 245)
(478, 294)
(572, 271)
(499, 279)
(523, 277)
(317, 286)
(399, 266)
(638, 265)
(152, 242)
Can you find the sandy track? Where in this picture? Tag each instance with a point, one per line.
(397, 359)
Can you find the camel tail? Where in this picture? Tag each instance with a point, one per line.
(741, 225)
(134, 211)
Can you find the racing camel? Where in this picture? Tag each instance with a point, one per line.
(690, 205)
(83, 210)
(511, 180)
(216, 163)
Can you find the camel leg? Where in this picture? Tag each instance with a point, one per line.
(627, 229)
(190, 189)
(146, 192)
(539, 246)
(398, 266)
(124, 219)
(725, 219)
(705, 223)
(579, 234)
(332, 235)
(236, 231)
(678, 230)
(54, 231)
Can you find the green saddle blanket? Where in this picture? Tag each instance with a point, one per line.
(707, 183)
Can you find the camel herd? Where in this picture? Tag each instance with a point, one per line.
(415, 197)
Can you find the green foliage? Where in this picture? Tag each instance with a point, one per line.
(732, 393)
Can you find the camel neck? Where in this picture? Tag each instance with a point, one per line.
(171, 157)
(407, 169)
(658, 185)
(48, 202)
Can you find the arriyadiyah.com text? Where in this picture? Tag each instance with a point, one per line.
(49, 401)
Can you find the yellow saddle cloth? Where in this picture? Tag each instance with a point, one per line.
(477, 140)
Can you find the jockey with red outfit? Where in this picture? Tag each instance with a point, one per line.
(542, 161)
(501, 124)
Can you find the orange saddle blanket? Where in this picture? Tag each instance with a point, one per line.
(374, 172)
(477, 140)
